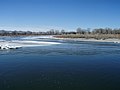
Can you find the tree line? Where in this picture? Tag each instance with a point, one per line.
(62, 32)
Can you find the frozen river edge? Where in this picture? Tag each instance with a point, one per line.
(19, 44)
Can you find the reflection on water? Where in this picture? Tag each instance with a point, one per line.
(72, 65)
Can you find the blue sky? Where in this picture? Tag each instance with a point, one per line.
(42, 15)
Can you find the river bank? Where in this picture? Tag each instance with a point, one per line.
(90, 39)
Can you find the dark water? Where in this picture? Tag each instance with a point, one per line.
(71, 65)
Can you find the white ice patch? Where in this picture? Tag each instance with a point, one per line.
(16, 44)
(34, 43)
(38, 37)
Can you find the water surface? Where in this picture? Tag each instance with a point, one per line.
(71, 65)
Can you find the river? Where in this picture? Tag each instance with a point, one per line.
(70, 65)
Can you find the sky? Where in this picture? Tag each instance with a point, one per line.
(42, 15)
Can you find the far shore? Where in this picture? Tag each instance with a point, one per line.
(91, 39)
(114, 40)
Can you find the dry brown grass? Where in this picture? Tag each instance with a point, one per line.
(88, 36)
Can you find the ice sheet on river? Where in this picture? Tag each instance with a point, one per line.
(17, 43)
(38, 37)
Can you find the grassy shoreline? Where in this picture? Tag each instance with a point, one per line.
(90, 36)
(82, 37)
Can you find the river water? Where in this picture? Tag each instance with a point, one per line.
(71, 65)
